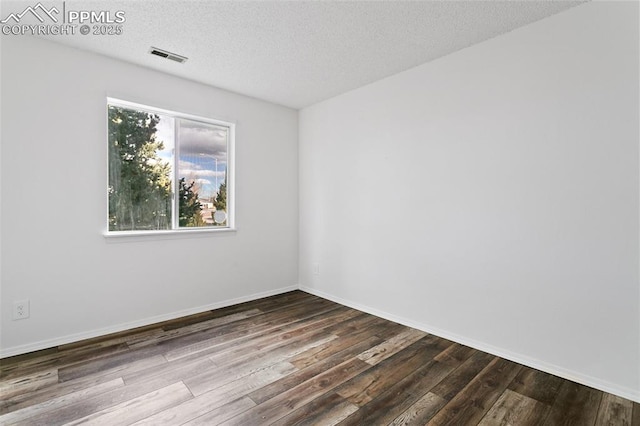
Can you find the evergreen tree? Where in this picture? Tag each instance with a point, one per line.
(189, 205)
(139, 180)
(220, 201)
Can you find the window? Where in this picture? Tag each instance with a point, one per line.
(167, 171)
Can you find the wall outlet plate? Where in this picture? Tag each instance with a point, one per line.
(21, 309)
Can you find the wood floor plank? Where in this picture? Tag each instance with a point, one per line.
(58, 402)
(535, 384)
(327, 410)
(87, 406)
(26, 359)
(473, 402)
(140, 341)
(614, 410)
(575, 405)
(19, 385)
(121, 361)
(368, 385)
(206, 383)
(455, 355)
(246, 384)
(45, 394)
(187, 321)
(461, 376)
(362, 321)
(389, 347)
(121, 369)
(223, 413)
(303, 375)
(253, 326)
(421, 411)
(60, 359)
(141, 353)
(283, 404)
(138, 408)
(208, 341)
(264, 305)
(513, 408)
(318, 326)
(387, 406)
(170, 371)
(253, 362)
(270, 303)
(122, 336)
(218, 397)
(369, 333)
(111, 340)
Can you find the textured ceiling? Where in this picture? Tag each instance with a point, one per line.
(299, 53)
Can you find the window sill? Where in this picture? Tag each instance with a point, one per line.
(126, 236)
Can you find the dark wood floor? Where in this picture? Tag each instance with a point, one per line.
(289, 359)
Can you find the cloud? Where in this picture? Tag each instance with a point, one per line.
(201, 139)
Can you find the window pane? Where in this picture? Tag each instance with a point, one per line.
(140, 176)
(166, 170)
(202, 174)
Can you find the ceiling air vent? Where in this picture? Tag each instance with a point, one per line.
(167, 55)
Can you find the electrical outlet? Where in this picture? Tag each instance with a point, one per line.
(316, 269)
(21, 309)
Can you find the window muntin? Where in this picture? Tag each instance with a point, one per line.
(167, 171)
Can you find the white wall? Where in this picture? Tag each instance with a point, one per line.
(491, 196)
(54, 160)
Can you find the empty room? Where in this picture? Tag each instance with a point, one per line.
(319, 212)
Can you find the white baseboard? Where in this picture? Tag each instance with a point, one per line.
(574, 376)
(71, 338)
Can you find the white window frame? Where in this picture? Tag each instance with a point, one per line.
(176, 231)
